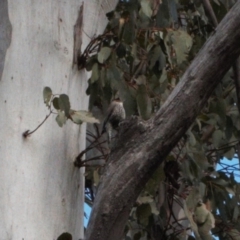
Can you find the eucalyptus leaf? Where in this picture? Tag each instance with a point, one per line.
(61, 118)
(104, 54)
(64, 104)
(154, 209)
(163, 18)
(55, 103)
(47, 95)
(144, 103)
(192, 139)
(146, 8)
(200, 158)
(95, 73)
(181, 41)
(220, 182)
(230, 153)
(81, 116)
(90, 62)
(128, 35)
(217, 138)
(143, 212)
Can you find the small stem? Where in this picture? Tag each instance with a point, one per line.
(27, 133)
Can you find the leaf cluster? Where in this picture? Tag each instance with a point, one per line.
(62, 106)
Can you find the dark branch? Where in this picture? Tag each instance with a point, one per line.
(208, 8)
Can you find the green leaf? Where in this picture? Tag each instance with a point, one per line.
(55, 103)
(154, 208)
(47, 94)
(129, 31)
(217, 138)
(230, 153)
(95, 73)
(103, 77)
(144, 103)
(192, 139)
(219, 107)
(61, 118)
(115, 77)
(81, 116)
(146, 8)
(104, 54)
(200, 159)
(64, 104)
(181, 41)
(229, 128)
(90, 62)
(220, 182)
(143, 212)
(193, 169)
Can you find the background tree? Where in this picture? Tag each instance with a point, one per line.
(145, 55)
(41, 190)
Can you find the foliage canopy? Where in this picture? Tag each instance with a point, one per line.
(147, 46)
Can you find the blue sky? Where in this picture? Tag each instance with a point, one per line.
(87, 210)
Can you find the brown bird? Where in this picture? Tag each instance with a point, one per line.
(115, 114)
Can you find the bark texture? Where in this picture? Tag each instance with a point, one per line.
(42, 193)
(142, 146)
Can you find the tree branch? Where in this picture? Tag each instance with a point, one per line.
(142, 146)
(208, 8)
(236, 70)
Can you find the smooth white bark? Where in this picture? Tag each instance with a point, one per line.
(41, 192)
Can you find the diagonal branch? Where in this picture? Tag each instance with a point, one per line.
(143, 146)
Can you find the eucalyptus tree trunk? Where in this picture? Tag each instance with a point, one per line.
(42, 193)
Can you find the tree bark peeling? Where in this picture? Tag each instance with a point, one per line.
(138, 153)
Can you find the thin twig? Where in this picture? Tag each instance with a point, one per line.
(27, 133)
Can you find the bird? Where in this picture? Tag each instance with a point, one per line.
(115, 114)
